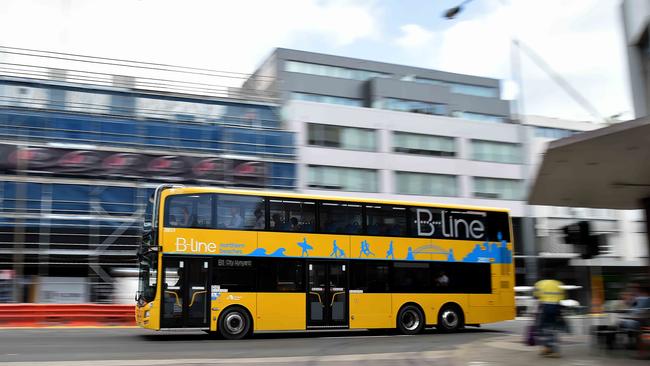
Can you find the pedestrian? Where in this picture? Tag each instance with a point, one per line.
(549, 321)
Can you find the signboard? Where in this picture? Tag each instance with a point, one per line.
(94, 163)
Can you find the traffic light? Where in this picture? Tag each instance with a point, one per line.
(593, 247)
(579, 234)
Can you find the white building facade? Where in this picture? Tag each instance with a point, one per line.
(375, 153)
(371, 129)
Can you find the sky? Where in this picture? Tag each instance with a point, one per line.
(581, 40)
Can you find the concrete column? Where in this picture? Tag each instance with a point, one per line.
(386, 181)
(465, 185)
(463, 146)
(529, 249)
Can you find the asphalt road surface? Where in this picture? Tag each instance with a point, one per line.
(134, 346)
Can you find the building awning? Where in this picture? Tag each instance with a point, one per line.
(604, 168)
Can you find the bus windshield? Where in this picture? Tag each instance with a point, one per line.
(148, 275)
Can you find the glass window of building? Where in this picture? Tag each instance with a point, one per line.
(500, 152)
(426, 184)
(331, 71)
(342, 137)
(347, 179)
(403, 105)
(460, 88)
(329, 99)
(430, 81)
(499, 188)
(479, 117)
(475, 90)
(413, 143)
(553, 133)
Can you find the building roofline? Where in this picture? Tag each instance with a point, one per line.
(280, 51)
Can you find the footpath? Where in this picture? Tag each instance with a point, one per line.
(575, 349)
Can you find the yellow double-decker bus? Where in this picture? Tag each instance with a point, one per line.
(236, 261)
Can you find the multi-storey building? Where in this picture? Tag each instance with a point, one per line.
(80, 152)
(373, 129)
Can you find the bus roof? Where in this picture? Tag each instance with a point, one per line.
(283, 194)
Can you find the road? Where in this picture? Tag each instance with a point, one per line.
(141, 347)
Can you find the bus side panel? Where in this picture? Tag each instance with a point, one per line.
(201, 241)
(505, 284)
(247, 300)
(490, 314)
(281, 311)
(371, 311)
(430, 304)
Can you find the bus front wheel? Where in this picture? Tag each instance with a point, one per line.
(234, 323)
(410, 320)
(450, 318)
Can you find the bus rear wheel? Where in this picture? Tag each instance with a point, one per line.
(450, 318)
(234, 323)
(410, 320)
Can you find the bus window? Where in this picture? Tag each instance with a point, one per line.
(298, 216)
(234, 274)
(189, 211)
(240, 212)
(369, 276)
(285, 275)
(411, 277)
(340, 218)
(460, 278)
(385, 220)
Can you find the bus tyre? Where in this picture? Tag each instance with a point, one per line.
(410, 320)
(450, 318)
(234, 323)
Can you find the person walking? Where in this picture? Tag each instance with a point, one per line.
(549, 317)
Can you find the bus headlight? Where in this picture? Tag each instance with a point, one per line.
(146, 314)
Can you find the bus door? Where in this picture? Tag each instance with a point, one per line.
(185, 293)
(327, 294)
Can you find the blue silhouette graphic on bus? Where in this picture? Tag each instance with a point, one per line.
(336, 251)
(409, 254)
(490, 252)
(365, 249)
(278, 253)
(428, 249)
(450, 257)
(261, 252)
(391, 252)
(305, 247)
